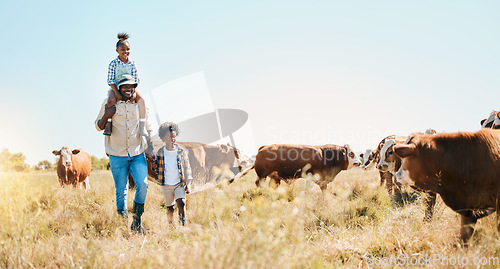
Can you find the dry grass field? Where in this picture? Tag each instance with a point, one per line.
(353, 224)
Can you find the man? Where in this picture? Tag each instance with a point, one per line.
(126, 149)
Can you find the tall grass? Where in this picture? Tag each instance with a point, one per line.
(230, 226)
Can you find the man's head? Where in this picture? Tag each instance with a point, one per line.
(168, 132)
(126, 84)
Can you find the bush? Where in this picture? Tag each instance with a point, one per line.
(99, 164)
(44, 165)
(13, 161)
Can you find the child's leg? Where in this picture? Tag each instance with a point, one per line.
(170, 214)
(111, 98)
(142, 113)
(181, 205)
(169, 195)
(111, 102)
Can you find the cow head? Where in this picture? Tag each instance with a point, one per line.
(388, 159)
(351, 157)
(239, 159)
(368, 157)
(65, 153)
(225, 148)
(496, 122)
(487, 123)
(430, 132)
(416, 167)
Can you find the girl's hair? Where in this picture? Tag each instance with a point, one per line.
(122, 38)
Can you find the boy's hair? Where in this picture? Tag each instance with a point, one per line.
(122, 38)
(167, 127)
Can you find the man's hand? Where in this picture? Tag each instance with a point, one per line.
(149, 152)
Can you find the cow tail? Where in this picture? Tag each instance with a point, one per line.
(242, 173)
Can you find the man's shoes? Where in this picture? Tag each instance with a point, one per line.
(137, 211)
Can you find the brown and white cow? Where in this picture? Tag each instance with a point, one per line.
(368, 159)
(286, 162)
(73, 166)
(464, 168)
(389, 164)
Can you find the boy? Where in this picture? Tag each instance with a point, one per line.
(174, 171)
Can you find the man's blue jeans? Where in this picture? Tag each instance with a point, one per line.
(138, 167)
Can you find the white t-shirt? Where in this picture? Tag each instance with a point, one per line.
(172, 175)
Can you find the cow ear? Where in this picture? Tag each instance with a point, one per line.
(482, 121)
(76, 151)
(405, 150)
(361, 155)
(56, 152)
(225, 148)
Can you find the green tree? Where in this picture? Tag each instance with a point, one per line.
(99, 164)
(44, 165)
(13, 161)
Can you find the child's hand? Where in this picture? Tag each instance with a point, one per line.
(109, 112)
(187, 189)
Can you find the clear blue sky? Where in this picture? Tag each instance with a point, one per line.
(310, 72)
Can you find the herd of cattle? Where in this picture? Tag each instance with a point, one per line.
(463, 168)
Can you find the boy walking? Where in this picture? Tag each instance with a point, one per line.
(174, 171)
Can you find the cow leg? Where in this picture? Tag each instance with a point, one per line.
(467, 228)
(382, 178)
(86, 183)
(387, 177)
(430, 202)
(276, 177)
(259, 180)
(323, 186)
(75, 181)
(498, 213)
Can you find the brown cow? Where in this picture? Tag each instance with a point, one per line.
(464, 168)
(203, 158)
(73, 166)
(284, 162)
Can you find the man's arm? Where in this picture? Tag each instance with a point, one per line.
(149, 137)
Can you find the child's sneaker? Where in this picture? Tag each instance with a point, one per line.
(182, 220)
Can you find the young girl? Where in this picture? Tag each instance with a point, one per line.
(117, 68)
